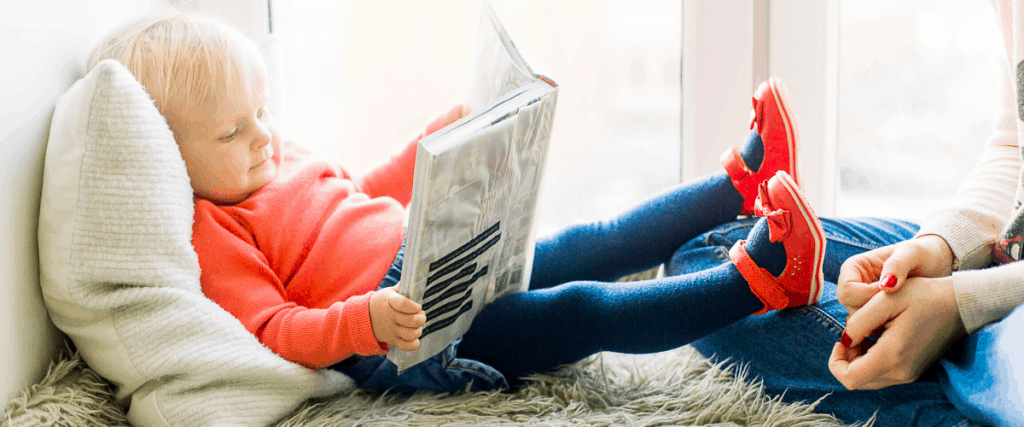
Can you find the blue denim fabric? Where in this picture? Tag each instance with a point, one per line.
(441, 373)
(982, 374)
(789, 349)
(574, 307)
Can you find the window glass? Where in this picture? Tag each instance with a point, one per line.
(363, 78)
(917, 95)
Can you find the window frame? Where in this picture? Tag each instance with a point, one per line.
(728, 48)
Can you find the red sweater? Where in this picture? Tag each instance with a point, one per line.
(297, 261)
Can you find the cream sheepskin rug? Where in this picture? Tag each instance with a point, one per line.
(678, 388)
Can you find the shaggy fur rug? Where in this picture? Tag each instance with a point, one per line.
(675, 388)
(678, 388)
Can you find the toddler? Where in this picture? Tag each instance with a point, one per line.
(306, 256)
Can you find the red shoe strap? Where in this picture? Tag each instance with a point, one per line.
(739, 173)
(734, 166)
(765, 286)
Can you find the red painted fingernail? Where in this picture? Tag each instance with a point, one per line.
(890, 281)
(846, 341)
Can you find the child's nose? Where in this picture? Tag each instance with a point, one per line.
(263, 136)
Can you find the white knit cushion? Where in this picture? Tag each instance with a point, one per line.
(120, 277)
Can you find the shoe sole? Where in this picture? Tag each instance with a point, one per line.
(782, 102)
(816, 231)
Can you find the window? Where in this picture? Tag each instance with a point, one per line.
(917, 94)
(363, 78)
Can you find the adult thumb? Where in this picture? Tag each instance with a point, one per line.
(896, 269)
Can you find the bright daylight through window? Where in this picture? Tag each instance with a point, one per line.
(615, 139)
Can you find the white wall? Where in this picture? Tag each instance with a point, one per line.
(44, 45)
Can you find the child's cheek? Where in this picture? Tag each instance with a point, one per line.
(278, 148)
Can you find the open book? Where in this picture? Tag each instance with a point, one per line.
(475, 194)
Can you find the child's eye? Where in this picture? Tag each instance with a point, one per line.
(262, 112)
(230, 136)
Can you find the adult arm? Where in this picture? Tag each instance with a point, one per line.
(935, 308)
(982, 205)
(981, 209)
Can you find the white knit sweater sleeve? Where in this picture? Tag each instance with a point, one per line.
(980, 210)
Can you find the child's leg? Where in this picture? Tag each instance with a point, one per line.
(648, 234)
(539, 330)
(638, 239)
(780, 267)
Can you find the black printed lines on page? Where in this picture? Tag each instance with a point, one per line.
(462, 261)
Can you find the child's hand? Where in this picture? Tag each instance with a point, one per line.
(448, 118)
(396, 319)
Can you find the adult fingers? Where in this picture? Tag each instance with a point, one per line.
(853, 295)
(906, 258)
(864, 366)
(894, 272)
(928, 256)
(839, 363)
(873, 315)
(857, 276)
(920, 256)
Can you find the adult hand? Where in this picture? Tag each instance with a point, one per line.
(920, 323)
(886, 269)
(396, 320)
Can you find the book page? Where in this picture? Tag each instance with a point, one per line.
(496, 72)
(471, 232)
(475, 192)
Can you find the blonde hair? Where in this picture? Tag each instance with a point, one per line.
(184, 58)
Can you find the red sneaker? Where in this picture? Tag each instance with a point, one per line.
(773, 115)
(791, 221)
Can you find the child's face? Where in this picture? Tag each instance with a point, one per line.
(228, 146)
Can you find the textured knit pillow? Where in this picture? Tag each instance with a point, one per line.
(120, 277)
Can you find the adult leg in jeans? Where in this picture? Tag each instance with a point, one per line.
(981, 374)
(789, 349)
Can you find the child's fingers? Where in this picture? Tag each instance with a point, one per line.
(403, 304)
(409, 334)
(407, 345)
(446, 119)
(412, 320)
(457, 112)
